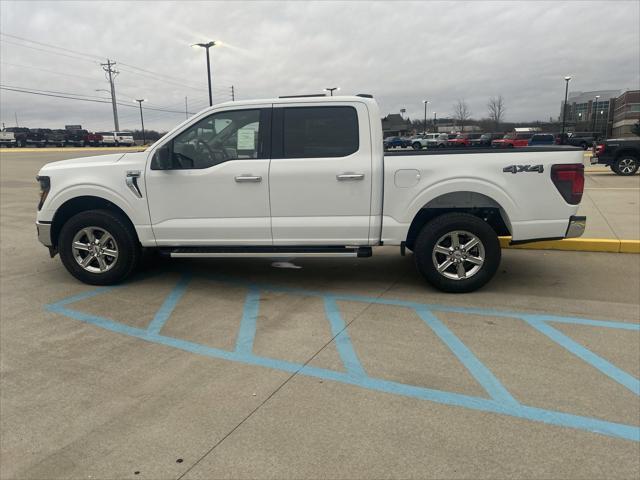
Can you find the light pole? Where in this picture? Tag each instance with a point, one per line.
(564, 109)
(207, 46)
(426, 102)
(594, 112)
(331, 89)
(140, 100)
(435, 122)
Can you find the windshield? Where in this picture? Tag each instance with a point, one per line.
(509, 136)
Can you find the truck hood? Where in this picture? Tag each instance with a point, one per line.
(98, 160)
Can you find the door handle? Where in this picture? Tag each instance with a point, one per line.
(248, 178)
(346, 177)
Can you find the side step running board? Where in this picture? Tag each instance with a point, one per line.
(253, 252)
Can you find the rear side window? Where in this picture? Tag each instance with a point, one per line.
(316, 132)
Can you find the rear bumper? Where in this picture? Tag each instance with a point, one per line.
(577, 225)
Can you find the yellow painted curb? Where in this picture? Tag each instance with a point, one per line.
(579, 245)
(72, 149)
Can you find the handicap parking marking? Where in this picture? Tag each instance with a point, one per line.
(499, 400)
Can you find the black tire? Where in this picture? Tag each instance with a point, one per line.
(417, 146)
(444, 225)
(625, 165)
(126, 242)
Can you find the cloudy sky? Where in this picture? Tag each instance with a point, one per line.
(400, 52)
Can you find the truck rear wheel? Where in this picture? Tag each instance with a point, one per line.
(417, 145)
(457, 252)
(98, 247)
(625, 165)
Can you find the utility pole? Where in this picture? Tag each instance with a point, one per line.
(140, 100)
(186, 109)
(112, 73)
(435, 121)
(426, 102)
(233, 94)
(16, 115)
(567, 79)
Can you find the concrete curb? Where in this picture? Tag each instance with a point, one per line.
(611, 245)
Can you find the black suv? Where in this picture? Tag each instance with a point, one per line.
(25, 137)
(583, 140)
(622, 155)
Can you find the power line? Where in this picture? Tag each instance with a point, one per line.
(49, 51)
(51, 46)
(48, 71)
(69, 97)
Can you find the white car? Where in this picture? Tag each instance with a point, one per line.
(429, 140)
(108, 139)
(124, 138)
(8, 139)
(304, 177)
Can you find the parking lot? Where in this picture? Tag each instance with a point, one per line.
(352, 368)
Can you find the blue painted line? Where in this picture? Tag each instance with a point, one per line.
(343, 341)
(480, 372)
(84, 295)
(248, 323)
(610, 370)
(627, 432)
(416, 305)
(165, 311)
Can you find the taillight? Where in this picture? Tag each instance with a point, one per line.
(45, 186)
(569, 180)
(598, 149)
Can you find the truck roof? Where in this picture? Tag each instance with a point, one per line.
(301, 99)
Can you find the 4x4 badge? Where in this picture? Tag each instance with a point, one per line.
(523, 168)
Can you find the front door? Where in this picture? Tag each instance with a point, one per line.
(213, 186)
(320, 175)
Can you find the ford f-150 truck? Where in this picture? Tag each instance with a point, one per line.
(304, 177)
(622, 155)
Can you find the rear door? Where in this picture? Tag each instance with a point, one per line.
(320, 174)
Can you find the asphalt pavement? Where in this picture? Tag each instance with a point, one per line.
(233, 368)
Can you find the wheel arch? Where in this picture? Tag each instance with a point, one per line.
(84, 203)
(627, 151)
(474, 203)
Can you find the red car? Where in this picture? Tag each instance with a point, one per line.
(463, 140)
(512, 140)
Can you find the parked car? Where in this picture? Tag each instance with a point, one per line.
(464, 139)
(396, 142)
(430, 140)
(107, 139)
(542, 139)
(8, 139)
(241, 196)
(124, 138)
(485, 139)
(583, 140)
(622, 155)
(27, 138)
(50, 138)
(77, 138)
(93, 139)
(512, 140)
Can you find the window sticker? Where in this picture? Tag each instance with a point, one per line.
(246, 139)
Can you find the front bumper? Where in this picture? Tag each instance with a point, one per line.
(44, 233)
(576, 227)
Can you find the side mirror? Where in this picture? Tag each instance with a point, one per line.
(162, 158)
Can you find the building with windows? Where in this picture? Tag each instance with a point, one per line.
(589, 111)
(393, 125)
(626, 113)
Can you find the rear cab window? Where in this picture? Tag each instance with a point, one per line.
(319, 132)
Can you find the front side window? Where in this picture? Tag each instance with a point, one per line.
(317, 132)
(220, 137)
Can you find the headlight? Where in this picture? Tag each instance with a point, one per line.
(45, 186)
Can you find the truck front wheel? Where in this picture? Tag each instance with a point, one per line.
(98, 247)
(457, 252)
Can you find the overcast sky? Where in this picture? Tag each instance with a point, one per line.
(400, 52)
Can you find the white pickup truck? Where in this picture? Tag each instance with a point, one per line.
(304, 177)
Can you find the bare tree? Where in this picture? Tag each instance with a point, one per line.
(496, 108)
(461, 113)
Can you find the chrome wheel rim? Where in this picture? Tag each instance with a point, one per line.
(458, 255)
(627, 165)
(95, 249)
